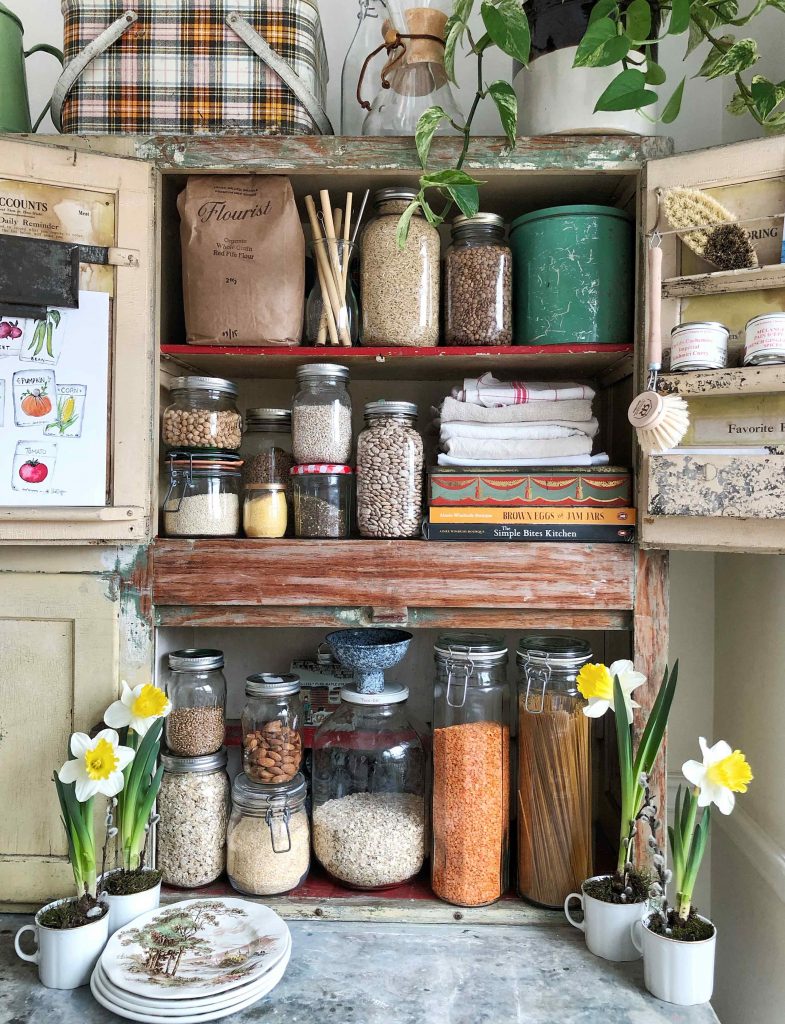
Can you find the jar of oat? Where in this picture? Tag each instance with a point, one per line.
(478, 283)
(203, 414)
(268, 845)
(196, 686)
(203, 497)
(266, 450)
(193, 811)
(389, 471)
(322, 501)
(322, 415)
(400, 287)
(369, 820)
(471, 769)
(272, 727)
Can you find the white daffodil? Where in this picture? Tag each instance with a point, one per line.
(99, 764)
(138, 708)
(722, 773)
(595, 685)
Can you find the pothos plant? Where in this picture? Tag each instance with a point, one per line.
(626, 33)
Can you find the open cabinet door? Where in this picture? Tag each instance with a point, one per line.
(733, 500)
(76, 384)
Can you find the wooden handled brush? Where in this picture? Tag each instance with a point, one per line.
(661, 421)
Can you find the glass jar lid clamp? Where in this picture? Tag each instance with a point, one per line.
(273, 802)
(540, 655)
(463, 652)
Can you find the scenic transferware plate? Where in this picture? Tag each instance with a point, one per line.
(195, 948)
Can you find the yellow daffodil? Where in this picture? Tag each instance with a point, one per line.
(595, 685)
(99, 764)
(723, 773)
(138, 708)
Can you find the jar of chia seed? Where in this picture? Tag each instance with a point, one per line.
(322, 496)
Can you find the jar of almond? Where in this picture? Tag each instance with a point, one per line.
(272, 727)
(203, 414)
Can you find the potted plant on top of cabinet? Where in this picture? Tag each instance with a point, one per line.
(612, 903)
(133, 889)
(677, 943)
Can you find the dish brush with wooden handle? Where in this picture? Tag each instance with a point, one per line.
(661, 421)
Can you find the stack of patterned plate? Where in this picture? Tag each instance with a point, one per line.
(193, 961)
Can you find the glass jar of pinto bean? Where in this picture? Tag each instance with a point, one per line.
(471, 769)
(272, 727)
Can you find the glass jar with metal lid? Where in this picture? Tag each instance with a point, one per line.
(203, 497)
(266, 450)
(203, 414)
(471, 768)
(389, 471)
(272, 727)
(554, 770)
(699, 345)
(322, 415)
(322, 495)
(369, 790)
(268, 844)
(193, 811)
(196, 686)
(400, 287)
(478, 283)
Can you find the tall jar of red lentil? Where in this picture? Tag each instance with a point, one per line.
(471, 769)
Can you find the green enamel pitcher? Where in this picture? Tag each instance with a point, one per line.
(14, 102)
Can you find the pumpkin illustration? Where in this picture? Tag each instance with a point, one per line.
(36, 402)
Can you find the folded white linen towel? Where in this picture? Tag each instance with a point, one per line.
(492, 393)
(453, 411)
(519, 431)
(474, 448)
(601, 459)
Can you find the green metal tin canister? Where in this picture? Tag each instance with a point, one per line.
(574, 274)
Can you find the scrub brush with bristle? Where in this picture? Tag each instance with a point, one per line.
(706, 227)
(661, 421)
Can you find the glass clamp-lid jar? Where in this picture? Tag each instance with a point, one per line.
(265, 510)
(389, 471)
(478, 283)
(203, 414)
(471, 768)
(369, 820)
(193, 811)
(322, 415)
(203, 497)
(272, 727)
(268, 844)
(322, 496)
(400, 287)
(196, 686)
(554, 770)
(266, 450)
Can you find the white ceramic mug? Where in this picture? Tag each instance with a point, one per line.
(65, 956)
(124, 909)
(677, 972)
(606, 925)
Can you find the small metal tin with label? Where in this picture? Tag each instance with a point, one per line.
(764, 339)
(702, 345)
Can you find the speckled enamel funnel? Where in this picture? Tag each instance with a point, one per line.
(368, 652)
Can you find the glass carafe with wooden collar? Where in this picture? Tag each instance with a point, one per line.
(554, 770)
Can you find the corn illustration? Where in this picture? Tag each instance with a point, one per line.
(68, 408)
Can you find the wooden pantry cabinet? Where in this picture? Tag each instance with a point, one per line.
(88, 596)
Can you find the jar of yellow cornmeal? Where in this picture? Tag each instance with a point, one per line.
(265, 510)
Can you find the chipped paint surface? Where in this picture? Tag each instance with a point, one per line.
(730, 486)
(733, 381)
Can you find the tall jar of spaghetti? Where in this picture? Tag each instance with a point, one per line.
(471, 769)
(554, 770)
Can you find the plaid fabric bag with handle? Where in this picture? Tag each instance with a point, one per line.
(160, 67)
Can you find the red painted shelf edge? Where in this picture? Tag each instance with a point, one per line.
(357, 351)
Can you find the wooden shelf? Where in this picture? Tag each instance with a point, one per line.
(240, 582)
(722, 282)
(405, 363)
(737, 380)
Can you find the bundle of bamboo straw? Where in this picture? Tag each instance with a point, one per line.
(332, 246)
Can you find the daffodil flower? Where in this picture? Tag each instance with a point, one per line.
(723, 773)
(99, 765)
(595, 685)
(138, 708)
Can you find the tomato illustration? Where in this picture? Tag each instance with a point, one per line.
(33, 472)
(36, 402)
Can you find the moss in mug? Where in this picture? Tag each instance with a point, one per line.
(126, 883)
(73, 914)
(620, 889)
(694, 929)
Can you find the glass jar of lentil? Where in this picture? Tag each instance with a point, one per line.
(389, 471)
(322, 415)
(203, 414)
(400, 287)
(266, 450)
(196, 686)
(478, 283)
(471, 769)
(272, 727)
